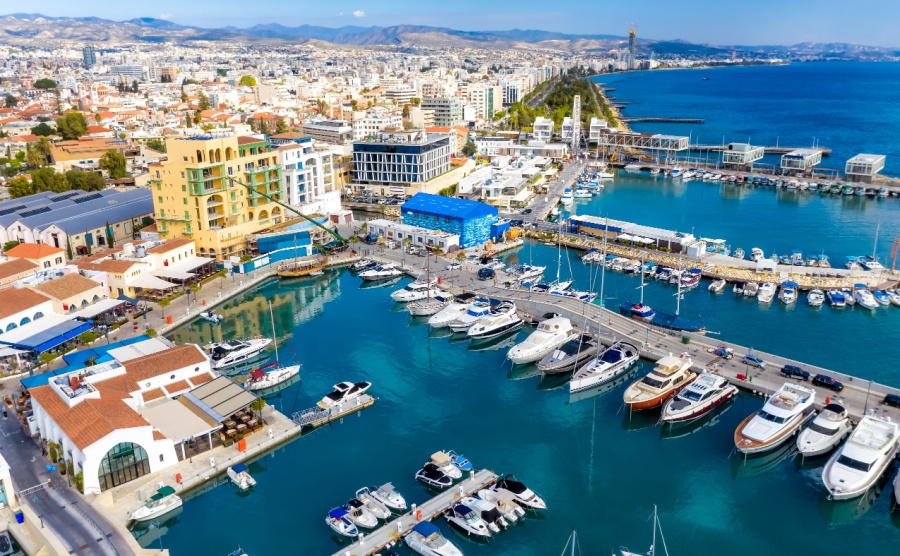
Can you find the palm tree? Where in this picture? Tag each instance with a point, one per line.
(44, 147)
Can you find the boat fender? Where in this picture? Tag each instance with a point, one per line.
(418, 515)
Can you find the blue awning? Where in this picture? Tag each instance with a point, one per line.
(43, 378)
(53, 336)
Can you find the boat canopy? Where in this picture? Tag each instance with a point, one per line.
(240, 468)
(426, 528)
(163, 492)
(790, 284)
(338, 513)
(440, 458)
(860, 286)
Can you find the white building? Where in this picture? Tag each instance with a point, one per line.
(565, 130)
(596, 128)
(486, 99)
(422, 237)
(801, 160)
(742, 154)
(864, 167)
(308, 175)
(375, 120)
(333, 132)
(447, 110)
(489, 147)
(542, 129)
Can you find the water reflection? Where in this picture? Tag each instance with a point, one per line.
(745, 466)
(679, 430)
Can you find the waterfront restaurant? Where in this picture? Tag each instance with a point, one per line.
(617, 230)
(864, 167)
(742, 155)
(801, 161)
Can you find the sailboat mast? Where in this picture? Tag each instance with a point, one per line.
(678, 296)
(653, 546)
(642, 278)
(603, 263)
(274, 338)
(558, 249)
(875, 246)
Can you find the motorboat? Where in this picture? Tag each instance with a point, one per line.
(706, 393)
(433, 476)
(164, 501)
(782, 416)
(261, 378)
(757, 254)
(480, 308)
(881, 297)
(638, 311)
(788, 293)
(738, 253)
(570, 356)
(751, 289)
(738, 288)
(426, 539)
(381, 272)
(414, 291)
(550, 334)
(377, 508)
(895, 297)
(360, 515)
(864, 297)
(583, 193)
(612, 363)
(815, 298)
(836, 298)
(452, 311)
(826, 431)
(443, 461)
(567, 196)
(717, 285)
(364, 264)
(468, 520)
(212, 317)
(460, 461)
(527, 272)
(235, 352)
(870, 263)
(240, 476)
(500, 321)
(523, 495)
(863, 458)
(487, 511)
(430, 305)
(633, 167)
(667, 378)
(388, 495)
(505, 502)
(343, 393)
(339, 521)
(766, 292)
(849, 298)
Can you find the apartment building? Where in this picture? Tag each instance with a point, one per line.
(542, 129)
(447, 110)
(375, 120)
(397, 161)
(308, 174)
(334, 132)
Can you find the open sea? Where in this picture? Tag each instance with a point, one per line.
(599, 470)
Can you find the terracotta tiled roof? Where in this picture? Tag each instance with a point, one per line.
(144, 368)
(17, 267)
(170, 245)
(158, 435)
(116, 266)
(14, 300)
(244, 140)
(155, 394)
(150, 228)
(177, 387)
(33, 251)
(67, 286)
(202, 379)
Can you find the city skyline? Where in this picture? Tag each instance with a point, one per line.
(705, 22)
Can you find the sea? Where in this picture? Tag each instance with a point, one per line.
(600, 470)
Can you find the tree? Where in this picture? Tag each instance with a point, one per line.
(203, 103)
(9, 245)
(354, 105)
(33, 157)
(281, 126)
(469, 149)
(85, 181)
(157, 145)
(113, 163)
(405, 112)
(247, 81)
(45, 83)
(184, 96)
(46, 179)
(97, 117)
(72, 125)
(134, 86)
(163, 303)
(42, 130)
(415, 101)
(11, 101)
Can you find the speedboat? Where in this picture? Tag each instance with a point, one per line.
(343, 393)
(670, 375)
(426, 539)
(260, 379)
(468, 520)
(859, 463)
(164, 501)
(339, 520)
(360, 514)
(870, 263)
(706, 393)
(766, 292)
(455, 309)
(420, 289)
(527, 272)
(502, 320)
(377, 508)
(240, 476)
(567, 197)
(849, 298)
(781, 417)
(433, 476)
(836, 298)
(751, 289)
(235, 352)
(505, 502)
(717, 285)
(612, 363)
(882, 297)
(738, 253)
(550, 334)
(381, 272)
(481, 308)
(487, 511)
(633, 167)
(522, 494)
(895, 297)
(864, 297)
(570, 356)
(460, 461)
(214, 318)
(757, 254)
(826, 431)
(443, 461)
(430, 305)
(364, 264)
(815, 298)
(639, 311)
(388, 495)
(788, 293)
(738, 288)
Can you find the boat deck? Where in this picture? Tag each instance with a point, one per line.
(316, 417)
(393, 531)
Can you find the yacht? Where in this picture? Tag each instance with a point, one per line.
(670, 375)
(505, 502)
(706, 393)
(550, 334)
(717, 285)
(426, 539)
(388, 495)
(858, 464)
(480, 308)
(570, 356)
(632, 167)
(757, 254)
(826, 431)
(788, 293)
(339, 520)
(414, 291)
(864, 297)
(442, 460)
(240, 476)
(381, 272)
(360, 515)
(500, 321)
(521, 493)
(527, 272)
(638, 311)
(431, 475)
(781, 417)
(870, 263)
(364, 264)
(377, 508)
(488, 512)
(212, 317)
(815, 298)
(751, 289)
(164, 501)
(455, 309)
(468, 520)
(766, 292)
(235, 352)
(343, 393)
(677, 172)
(261, 379)
(567, 197)
(836, 298)
(430, 305)
(612, 363)
(583, 193)
(882, 297)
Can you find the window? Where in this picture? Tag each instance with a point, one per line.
(124, 462)
(184, 199)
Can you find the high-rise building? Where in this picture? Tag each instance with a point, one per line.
(447, 110)
(89, 56)
(400, 161)
(193, 196)
(308, 173)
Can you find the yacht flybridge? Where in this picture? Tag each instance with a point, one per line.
(550, 334)
(612, 363)
(782, 416)
(235, 352)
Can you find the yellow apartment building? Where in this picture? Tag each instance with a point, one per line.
(194, 195)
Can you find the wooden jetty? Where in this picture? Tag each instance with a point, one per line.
(316, 416)
(393, 531)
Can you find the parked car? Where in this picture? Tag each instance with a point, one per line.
(826, 381)
(485, 273)
(517, 223)
(793, 371)
(454, 266)
(527, 211)
(892, 400)
(754, 361)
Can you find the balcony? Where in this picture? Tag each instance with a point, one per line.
(174, 218)
(201, 189)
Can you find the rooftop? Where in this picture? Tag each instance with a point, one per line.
(13, 300)
(16, 268)
(449, 207)
(67, 286)
(33, 251)
(171, 245)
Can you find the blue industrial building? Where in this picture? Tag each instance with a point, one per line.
(475, 223)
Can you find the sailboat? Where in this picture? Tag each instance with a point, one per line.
(557, 286)
(261, 379)
(430, 305)
(639, 311)
(301, 267)
(677, 322)
(652, 552)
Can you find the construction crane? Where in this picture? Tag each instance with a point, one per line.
(340, 242)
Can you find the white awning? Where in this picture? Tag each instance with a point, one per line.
(191, 263)
(151, 282)
(8, 351)
(95, 309)
(172, 273)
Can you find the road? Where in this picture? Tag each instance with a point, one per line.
(542, 204)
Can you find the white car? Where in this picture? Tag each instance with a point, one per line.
(454, 266)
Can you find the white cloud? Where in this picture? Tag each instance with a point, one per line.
(166, 16)
(359, 13)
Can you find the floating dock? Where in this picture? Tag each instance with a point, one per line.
(393, 531)
(316, 416)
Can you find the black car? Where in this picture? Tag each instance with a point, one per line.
(527, 211)
(485, 273)
(826, 381)
(892, 400)
(517, 223)
(793, 371)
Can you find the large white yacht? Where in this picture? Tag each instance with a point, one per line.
(455, 309)
(414, 291)
(610, 364)
(859, 463)
(706, 393)
(780, 418)
(550, 334)
(481, 308)
(235, 352)
(381, 272)
(500, 321)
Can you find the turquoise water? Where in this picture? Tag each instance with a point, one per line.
(599, 470)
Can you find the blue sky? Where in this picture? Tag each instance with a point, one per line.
(871, 22)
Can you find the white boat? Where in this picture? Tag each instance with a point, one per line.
(738, 288)
(480, 308)
(468, 520)
(388, 495)
(214, 318)
(526, 272)
(240, 476)
(570, 356)
(500, 321)
(343, 393)
(895, 297)
(604, 175)
(505, 502)
(652, 552)
(261, 379)
(826, 431)
(858, 464)
(717, 285)
(235, 352)
(610, 364)
(164, 501)
(757, 254)
(550, 334)
(567, 197)
(426, 539)
(582, 193)
(455, 309)
(488, 512)
(360, 515)
(788, 293)
(864, 297)
(443, 461)
(767, 292)
(815, 298)
(432, 475)
(363, 264)
(381, 272)
(836, 298)
(378, 509)
(677, 172)
(707, 392)
(632, 167)
(780, 418)
(339, 520)
(414, 291)
(523, 495)
(430, 305)
(751, 289)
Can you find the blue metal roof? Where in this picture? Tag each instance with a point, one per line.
(79, 358)
(53, 336)
(447, 207)
(88, 210)
(43, 378)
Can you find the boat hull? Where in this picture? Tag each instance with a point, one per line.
(700, 410)
(747, 445)
(652, 403)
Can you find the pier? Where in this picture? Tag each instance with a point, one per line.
(769, 149)
(316, 416)
(393, 531)
(664, 120)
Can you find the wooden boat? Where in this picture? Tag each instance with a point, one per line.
(301, 267)
(667, 378)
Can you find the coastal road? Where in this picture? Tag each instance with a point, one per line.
(542, 204)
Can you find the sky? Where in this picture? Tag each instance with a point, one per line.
(760, 22)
